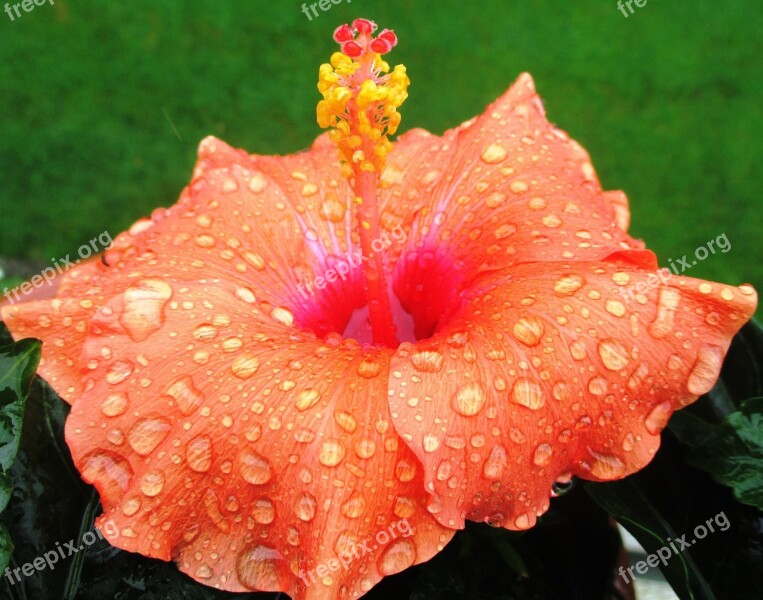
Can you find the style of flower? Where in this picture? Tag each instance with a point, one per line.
(250, 435)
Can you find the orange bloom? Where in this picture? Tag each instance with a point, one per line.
(253, 410)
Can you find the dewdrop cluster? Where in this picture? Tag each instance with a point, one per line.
(361, 96)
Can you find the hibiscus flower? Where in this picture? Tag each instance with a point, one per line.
(308, 351)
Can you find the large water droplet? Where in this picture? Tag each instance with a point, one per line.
(331, 453)
(114, 404)
(245, 366)
(254, 468)
(186, 394)
(369, 368)
(354, 506)
(568, 285)
(143, 312)
(146, 434)
(398, 556)
(529, 330)
(262, 568)
(152, 483)
(198, 453)
(613, 354)
(496, 463)
(706, 369)
(528, 393)
(119, 371)
(606, 466)
(365, 448)
(542, 455)
(667, 303)
(494, 153)
(468, 400)
(428, 361)
(561, 486)
(404, 507)
(110, 471)
(345, 420)
(305, 507)
(307, 399)
(405, 471)
(264, 512)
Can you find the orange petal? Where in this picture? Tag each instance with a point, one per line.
(550, 371)
(508, 187)
(248, 451)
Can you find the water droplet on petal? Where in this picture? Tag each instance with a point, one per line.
(667, 303)
(283, 315)
(264, 512)
(543, 454)
(331, 453)
(186, 394)
(496, 463)
(658, 417)
(119, 371)
(152, 483)
(428, 361)
(254, 468)
(111, 471)
(613, 354)
(143, 312)
(345, 420)
(245, 366)
(706, 370)
(204, 572)
(114, 404)
(528, 330)
(369, 368)
(146, 434)
(307, 399)
(305, 507)
(527, 393)
(405, 471)
(263, 569)
(606, 467)
(354, 506)
(131, 506)
(568, 285)
(494, 153)
(560, 487)
(398, 556)
(468, 400)
(404, 507)
(198, 453)
(523, 522)
(365, 448)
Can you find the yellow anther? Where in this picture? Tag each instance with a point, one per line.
(360, 101)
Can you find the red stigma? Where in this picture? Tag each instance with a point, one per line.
(357, 39)
(364, 26)
(343, 34)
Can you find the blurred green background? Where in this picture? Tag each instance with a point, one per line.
(103, 104)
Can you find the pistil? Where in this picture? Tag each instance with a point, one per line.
(360, 101)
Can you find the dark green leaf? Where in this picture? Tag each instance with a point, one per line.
(18, 364)
(625, 501)
(733, 453)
